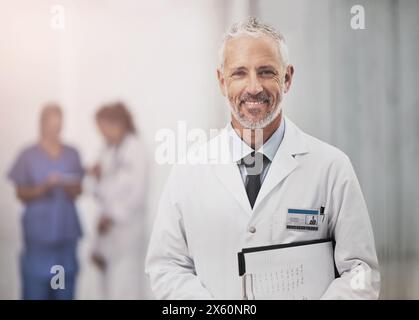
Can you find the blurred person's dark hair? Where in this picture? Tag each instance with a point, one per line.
(117, 112)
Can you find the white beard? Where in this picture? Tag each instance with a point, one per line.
(262, 123)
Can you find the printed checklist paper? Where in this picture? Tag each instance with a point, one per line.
(298, 272)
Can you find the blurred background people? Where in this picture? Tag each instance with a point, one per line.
(121, 183)
(47, 178)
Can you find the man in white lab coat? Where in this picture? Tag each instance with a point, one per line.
(251, 180)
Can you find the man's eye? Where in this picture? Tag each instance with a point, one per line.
(267, 73)
(238, 73)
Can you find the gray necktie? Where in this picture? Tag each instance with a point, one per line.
(254, 163)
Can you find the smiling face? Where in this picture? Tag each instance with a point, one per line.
(254, 80)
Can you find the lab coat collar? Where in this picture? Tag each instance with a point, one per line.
(240, 149)
(283, 164)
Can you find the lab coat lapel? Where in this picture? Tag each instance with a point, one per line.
(284, 162)
(228, 173)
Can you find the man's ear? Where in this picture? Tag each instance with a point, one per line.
(221, 81)
(289, 73)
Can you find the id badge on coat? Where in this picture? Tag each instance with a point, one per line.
(302, 219)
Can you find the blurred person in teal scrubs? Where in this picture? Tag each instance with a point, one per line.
(47, 176)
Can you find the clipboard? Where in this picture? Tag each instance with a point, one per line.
(279, 268)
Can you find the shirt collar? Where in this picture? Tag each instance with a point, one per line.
(239, 149)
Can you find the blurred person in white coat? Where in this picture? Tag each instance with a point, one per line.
(120, 190)
(251, 183)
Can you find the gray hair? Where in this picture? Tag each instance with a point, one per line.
(251, 26)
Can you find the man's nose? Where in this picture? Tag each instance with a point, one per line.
(254, 86)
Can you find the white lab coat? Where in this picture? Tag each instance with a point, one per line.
(205, 218)
(121, 194)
